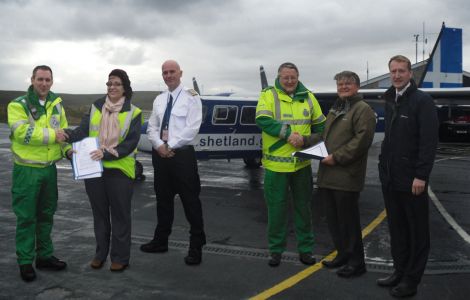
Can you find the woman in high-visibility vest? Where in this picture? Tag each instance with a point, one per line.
(116, 123)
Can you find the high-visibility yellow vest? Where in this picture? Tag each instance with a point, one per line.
(33, 142)
(127, 163)
(299, 115)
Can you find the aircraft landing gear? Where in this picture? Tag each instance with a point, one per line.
(139, 171)
(252, 163)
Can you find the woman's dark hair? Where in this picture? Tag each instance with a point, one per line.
(126, 83)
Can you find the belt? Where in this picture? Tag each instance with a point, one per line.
(184, 148)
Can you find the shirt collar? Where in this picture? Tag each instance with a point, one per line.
(176, 91)
(400, 93)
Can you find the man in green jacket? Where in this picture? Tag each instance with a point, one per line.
(283, 110)
(36, 121)
(348, 134)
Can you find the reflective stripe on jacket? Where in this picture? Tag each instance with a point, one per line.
(125, 164)
(298, 115)
(33, 142)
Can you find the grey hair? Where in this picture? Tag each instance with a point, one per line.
(348, 76)
(288, 65)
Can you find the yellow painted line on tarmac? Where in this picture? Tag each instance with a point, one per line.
(293, 280)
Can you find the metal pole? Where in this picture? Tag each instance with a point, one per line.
(424, 40)
(367, 73)
(416, 44)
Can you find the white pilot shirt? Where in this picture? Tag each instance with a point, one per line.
(185, 118)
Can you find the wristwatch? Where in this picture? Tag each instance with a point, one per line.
(168, 147)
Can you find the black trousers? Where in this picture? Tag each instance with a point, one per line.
(342, 213)
(178, 175)
(408, 221)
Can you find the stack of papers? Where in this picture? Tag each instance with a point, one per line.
(317, 151)
(83, 166)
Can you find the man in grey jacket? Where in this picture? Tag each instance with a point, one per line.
(348, 134)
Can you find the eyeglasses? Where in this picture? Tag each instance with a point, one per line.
(116, 84)
(288, 78)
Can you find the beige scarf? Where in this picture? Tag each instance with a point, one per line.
(109, 127)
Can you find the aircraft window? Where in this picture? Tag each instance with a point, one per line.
(248, 115)
(224, 115)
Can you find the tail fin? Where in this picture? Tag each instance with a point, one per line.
(195, 86)
(264, 80)
(444, 66)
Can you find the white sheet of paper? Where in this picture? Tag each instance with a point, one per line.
(318, 150)
(83, 166)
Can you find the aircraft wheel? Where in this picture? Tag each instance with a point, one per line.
(139, 171)
(252, 163)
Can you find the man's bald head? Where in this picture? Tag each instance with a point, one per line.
(171, 73)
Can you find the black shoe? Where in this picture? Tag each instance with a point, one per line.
(52, 263)
(335, 263)
(390, 281)
(403, 289)
(307, 258)
(194, 256)
(154, 246)
(27, 272)
(348, 271)
(274, 260)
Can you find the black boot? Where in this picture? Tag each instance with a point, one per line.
(194, 256)
(155, 246)
(391, 280)
(27, 272)
(52, 263)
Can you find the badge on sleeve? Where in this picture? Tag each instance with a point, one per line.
(54, 121)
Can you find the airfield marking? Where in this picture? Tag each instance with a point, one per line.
(293, 280)
(463, 234)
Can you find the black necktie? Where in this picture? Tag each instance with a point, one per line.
(166, 116)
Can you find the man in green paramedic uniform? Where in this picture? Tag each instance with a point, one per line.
(285, 113)
(36, 121)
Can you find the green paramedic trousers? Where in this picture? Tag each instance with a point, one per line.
(34, 201)
(276, 186)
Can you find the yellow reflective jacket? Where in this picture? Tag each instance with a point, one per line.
(33, 141)
(299, 116)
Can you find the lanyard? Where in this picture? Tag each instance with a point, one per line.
(174, 101)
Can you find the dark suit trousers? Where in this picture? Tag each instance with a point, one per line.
(342, 213)
(408, 221)
(178, 175)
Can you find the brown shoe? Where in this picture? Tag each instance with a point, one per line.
(116, 267)
(96, 264)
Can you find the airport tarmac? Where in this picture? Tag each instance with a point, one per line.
(235, 259)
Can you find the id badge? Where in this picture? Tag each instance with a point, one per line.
(165, 135)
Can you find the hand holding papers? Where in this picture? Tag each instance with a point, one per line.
(83, 165)
(318, 151)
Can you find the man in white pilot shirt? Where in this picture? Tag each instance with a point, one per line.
(172, 129)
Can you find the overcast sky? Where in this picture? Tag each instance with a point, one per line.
(221, 43)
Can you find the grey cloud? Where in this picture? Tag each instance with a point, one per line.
(223, 43)
(89, 19)
(123, 55)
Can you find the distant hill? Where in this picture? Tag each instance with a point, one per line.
(77, 104)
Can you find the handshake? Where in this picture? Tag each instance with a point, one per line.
(61, 136)
(296, 140)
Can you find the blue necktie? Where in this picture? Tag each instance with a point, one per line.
(166, 116)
